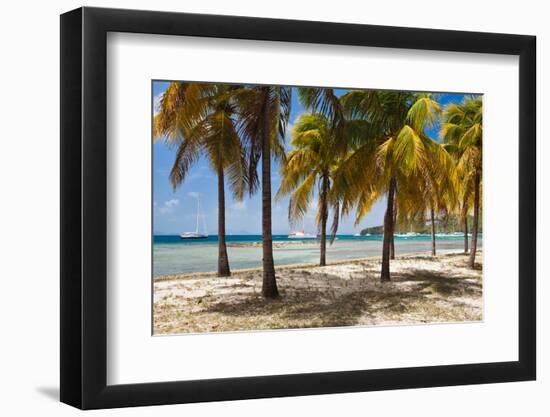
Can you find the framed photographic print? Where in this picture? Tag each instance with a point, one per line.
(257, 208)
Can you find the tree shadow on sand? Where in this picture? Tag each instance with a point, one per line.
(327, 300)
(442, 284)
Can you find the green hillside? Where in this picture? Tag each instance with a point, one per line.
(441, 226)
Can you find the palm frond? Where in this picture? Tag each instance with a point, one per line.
(423, 114)
(300, 198)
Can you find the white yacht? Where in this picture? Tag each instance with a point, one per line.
(196, 234)
(300, 234)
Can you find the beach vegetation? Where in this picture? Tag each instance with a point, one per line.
(347, 151)
(462, 132)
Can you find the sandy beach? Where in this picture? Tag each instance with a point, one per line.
(423, 289)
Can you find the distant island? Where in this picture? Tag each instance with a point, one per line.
(441, 226)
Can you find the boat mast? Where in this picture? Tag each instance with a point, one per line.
(198, 211)
(204, 225)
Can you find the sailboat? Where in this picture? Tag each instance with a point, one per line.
(196, 234)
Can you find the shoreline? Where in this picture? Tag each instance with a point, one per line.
(306, 265)
(284, 243)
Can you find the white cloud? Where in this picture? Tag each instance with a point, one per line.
(169, 206)
(193, 194)
(172, 203)
(156, 103)
(238, 205)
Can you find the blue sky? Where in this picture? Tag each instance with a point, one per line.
(174, 212)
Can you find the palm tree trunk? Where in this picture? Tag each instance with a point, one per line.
(388, 232)
(324, 217)
(223, 261)
(269, 283)
(466, 232)
(472, 261)
(392, 242)
(432, 217)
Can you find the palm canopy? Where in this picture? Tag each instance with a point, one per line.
(463, 123)
(395, 156)
(433, 189)
(462, 133)
(312, 166)
(201, 119)
(181, 105)
(394, 145)
(262, 110)
(311, 163)
(324, 101)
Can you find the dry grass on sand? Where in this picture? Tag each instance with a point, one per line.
(423, 290)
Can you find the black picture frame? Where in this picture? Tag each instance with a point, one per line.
(84, 207)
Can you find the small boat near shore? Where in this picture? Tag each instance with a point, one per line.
(300, 234)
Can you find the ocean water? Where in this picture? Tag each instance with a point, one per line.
(172, 255)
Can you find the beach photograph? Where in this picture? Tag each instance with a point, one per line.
(288, 207)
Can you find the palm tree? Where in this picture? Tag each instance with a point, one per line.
(463, 128)
(396, 121)
(432, 191)
(465, 195)
(446, 185)
(200, 119)
(312, 161)
(263, 116)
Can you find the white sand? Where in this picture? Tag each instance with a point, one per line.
(423, 289)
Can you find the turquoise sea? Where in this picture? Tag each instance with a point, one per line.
(172, 255)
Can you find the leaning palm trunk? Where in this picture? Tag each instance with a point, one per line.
(223, 261)
(269, 284)
(432, 217)
(324, 217)
(466, 233)
(472, 261)
(388, 232)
